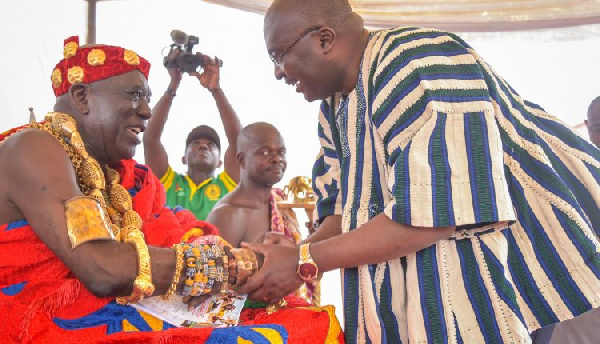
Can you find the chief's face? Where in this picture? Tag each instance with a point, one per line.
(266, 158)
(117, 113)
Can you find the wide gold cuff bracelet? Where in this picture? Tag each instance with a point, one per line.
(86, 221)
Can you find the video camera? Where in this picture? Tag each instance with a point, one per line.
(181, 56)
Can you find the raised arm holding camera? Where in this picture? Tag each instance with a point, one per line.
(199, 189)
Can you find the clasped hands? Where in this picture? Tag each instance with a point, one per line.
(277, 276)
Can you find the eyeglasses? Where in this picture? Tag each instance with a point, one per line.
(278, 58)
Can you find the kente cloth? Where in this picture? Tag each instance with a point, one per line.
(431, 136)
(199, 199)
(41, 301)
(284, 221)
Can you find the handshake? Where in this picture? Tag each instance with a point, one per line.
(209, 265)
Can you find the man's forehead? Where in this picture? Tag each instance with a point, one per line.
(279, 25)
(594, 113)
(132, 78)
(202, 139)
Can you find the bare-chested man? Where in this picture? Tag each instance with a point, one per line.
(249, 212)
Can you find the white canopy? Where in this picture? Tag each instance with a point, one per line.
(462, 15)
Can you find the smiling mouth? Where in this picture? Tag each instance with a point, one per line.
(135, 132)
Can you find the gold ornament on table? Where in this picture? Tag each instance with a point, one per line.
(300, 190)
(105, 212)
(299, 194)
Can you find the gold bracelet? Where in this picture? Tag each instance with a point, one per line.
(246, 263)
(86, 221)
(142, 286)
(178, 267)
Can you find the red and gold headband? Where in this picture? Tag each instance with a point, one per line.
(90, 64)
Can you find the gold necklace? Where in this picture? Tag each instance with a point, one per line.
(113, 198)
(125, 223)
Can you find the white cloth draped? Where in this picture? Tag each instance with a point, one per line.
(462, 15)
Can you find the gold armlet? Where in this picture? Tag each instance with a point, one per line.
(86, 221)
(246, 264)
(142, 286)
(178, 267)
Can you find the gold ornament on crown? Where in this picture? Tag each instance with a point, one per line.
(70, 49)
(96, 57)
(56, 78)
(75, 75)
(112, 216)
(131, 57)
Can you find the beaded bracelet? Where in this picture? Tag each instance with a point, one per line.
(206, 268)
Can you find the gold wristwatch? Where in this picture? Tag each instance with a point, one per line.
(307, 268)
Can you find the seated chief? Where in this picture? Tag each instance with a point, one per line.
(85, 232)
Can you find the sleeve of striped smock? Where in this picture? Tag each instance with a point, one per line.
(433, 112)
(326, 169)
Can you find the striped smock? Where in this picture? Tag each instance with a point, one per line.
(432, 137)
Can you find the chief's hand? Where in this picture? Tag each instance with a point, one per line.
(277, 277)
(194, 301)
(209, 78)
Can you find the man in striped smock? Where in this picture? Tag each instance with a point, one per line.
(457, 211)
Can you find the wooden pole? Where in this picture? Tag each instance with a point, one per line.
(91, 25)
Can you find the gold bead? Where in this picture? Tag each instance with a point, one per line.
(112, 176)
(91, 174)
(115, 216)
(77, 144)
(120, 198)
(132, 218)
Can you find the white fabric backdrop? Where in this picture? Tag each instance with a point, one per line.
(462, 15)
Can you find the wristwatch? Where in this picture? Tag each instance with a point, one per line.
(307, 268)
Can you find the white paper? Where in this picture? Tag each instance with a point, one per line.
(216, 311)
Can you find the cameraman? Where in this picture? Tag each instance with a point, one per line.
(198, 190)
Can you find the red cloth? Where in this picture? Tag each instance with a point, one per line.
(41, 301)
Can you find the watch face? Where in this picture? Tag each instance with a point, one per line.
(307, 271)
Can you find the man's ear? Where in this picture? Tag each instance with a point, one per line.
(79, 95)
(219, 164)
(240, 159)
(183, 160)
(327, 37)
(585, 121)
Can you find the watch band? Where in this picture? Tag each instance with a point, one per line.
(307, 268)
